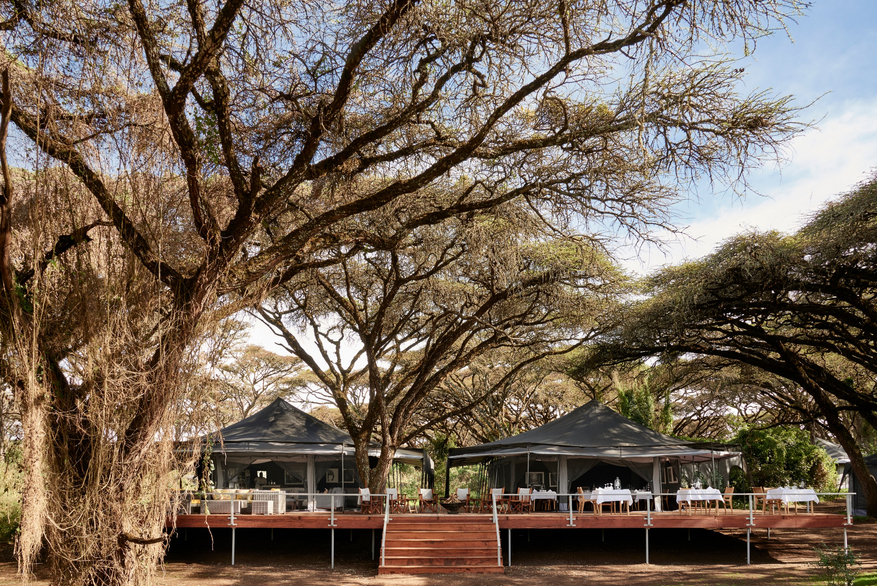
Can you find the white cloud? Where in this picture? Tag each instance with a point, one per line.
(824, 162)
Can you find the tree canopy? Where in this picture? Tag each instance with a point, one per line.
(801, 307)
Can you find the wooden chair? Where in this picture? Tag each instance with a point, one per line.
(426, 500)
(771, 504)
(397, 503)
(502, 503)
(582, 500)
(521, 502)
(367, 503)
(728, 499)
(463, 497)
(759, 496)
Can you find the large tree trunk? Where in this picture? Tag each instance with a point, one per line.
(850, 446)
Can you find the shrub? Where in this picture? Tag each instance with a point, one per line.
(838, 565)
(783, 456)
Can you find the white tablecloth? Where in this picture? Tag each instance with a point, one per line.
(690, 495)
(548, 495)
(608, 495)
(792, 495)
(642, 495)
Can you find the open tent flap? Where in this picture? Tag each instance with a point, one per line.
(716, 472)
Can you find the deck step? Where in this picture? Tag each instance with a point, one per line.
(440, 544)
(440, 569)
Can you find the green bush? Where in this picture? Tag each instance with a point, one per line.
(783, 456)
(838, 566)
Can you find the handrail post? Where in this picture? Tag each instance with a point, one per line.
(384, 532)
(648, 513)
(849, 516)
(332, 510)
(572, 522)
(496, 524)
(751, 511)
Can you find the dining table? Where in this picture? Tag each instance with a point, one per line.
(609, 495)
(695, 497)
(544, 499)
(642, 496)
(788, 495)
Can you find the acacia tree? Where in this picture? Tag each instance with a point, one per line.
(801, 307)
(391, 326)
(253, 377)
(489, 405)
(208, 141)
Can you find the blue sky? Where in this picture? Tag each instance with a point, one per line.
(830, 58)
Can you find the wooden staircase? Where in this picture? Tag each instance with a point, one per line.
(440, 544)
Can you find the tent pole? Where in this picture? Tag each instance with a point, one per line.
(527, 478)
(448, 478)
(713, 471)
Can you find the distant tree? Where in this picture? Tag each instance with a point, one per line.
(488, 405)
(383, 331)
(252, 377)
(801, 307)
(637, 403)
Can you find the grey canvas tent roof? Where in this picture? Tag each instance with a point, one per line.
(837, 453)
(282, 429)
(592, 430)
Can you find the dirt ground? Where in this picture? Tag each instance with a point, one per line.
(550, 557)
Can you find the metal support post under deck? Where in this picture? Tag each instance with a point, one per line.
(510, 547)
(332, 550)
(373, 544)
(748, 533)
(647, 546)
(846, 547)
(232, 546)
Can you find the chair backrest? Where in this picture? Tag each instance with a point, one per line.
(365, 494)
(497, 491)
(758, 489)
(426, 494)
(393, 494)
(524, 494)
(462, 493)
(729, 490)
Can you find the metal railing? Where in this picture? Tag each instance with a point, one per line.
(506, 499)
